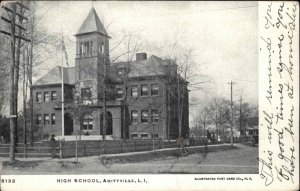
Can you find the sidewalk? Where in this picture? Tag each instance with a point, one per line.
(192, 148)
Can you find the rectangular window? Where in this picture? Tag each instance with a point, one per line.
(91, 48)
(46, 119)
(53, 119)
(144, 90)
(38, 97)
(134, 136)
(154, 89)
(53, 96)
(155, 136)
(38, 119)
(119, 92)
(134, 116)
(46, 97)
(144, 136)
(87, 123)
(81, 49)
(145, 116)
(102, 48)
(134, 91)
(154, 116)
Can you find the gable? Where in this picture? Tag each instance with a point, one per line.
(54, 76)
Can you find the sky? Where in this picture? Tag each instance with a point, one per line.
(222, 36)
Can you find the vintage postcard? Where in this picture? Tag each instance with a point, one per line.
(149, 95)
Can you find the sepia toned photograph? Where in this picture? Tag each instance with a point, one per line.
(129, 87)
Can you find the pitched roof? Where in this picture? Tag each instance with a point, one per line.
(92, 23)
(148, 67)
(153, 66)
(54, 76)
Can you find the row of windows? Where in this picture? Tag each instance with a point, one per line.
(86, 93)
(46, 118)
(47, 97)
(86, 49)
(87, 120)
(143, 90)
(145, 118)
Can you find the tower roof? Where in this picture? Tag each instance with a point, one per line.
(92, 23)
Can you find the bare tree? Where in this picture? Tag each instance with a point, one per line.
(218, 112)
(5, 59)
(185, 74)
(14, 17)
(38, 52)
(76, 107)
(129, 45)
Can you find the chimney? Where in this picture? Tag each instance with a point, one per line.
(141, 56)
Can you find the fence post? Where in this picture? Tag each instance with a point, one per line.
(134, 146)
(159, 144)
(60, 149)
(121, 146)
(84, 152)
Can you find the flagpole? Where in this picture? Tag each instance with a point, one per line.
(62, 92)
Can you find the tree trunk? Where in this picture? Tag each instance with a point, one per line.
(30, 71)
(124, 110)
(16, 84)
(169, 102)
(24, 105)
(179, 109)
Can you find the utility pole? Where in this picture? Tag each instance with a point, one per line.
(104, 99)
(231, 105)
(62, 92)
(15, 26)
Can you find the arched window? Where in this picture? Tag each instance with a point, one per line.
(87, 122)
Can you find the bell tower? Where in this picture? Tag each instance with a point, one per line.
(92, 57)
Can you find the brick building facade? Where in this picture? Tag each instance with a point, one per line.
(141, 96)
